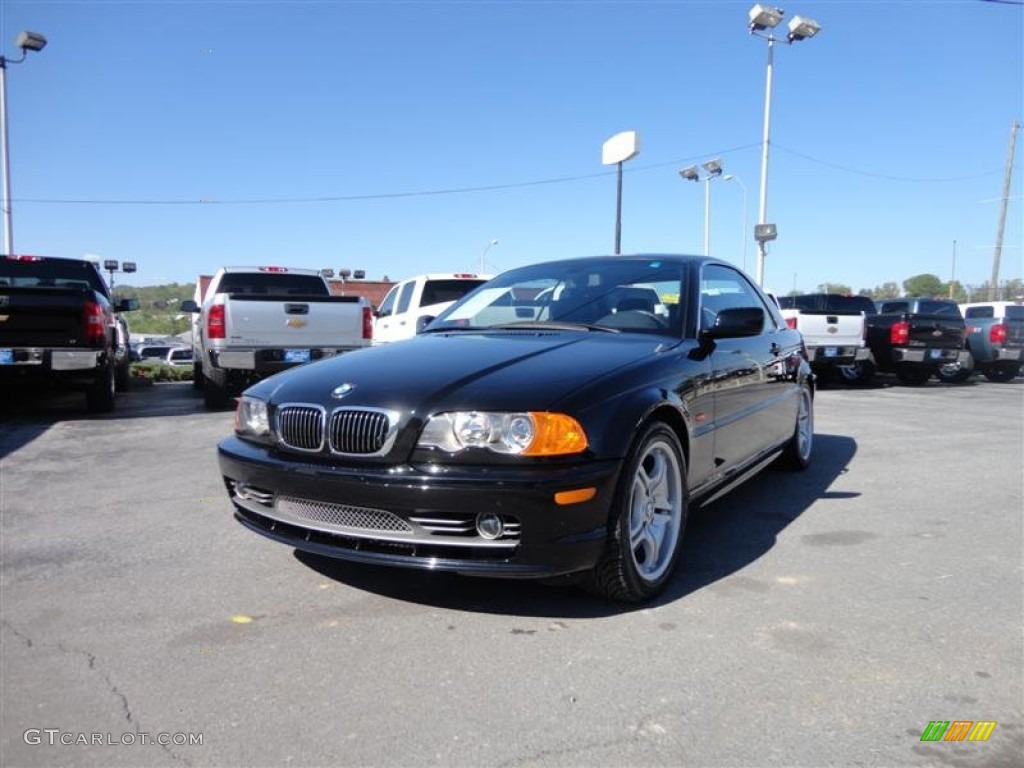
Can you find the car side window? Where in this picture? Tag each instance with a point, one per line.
(404, 296)
(724, 288)
(388, 305)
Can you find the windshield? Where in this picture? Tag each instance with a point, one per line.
(621, 294)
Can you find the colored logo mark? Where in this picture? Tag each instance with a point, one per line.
(958, 730)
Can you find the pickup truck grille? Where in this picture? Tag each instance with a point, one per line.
(349, 431)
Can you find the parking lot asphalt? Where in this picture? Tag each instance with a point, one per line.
(821, 618)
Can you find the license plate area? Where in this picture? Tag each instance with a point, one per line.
(831, 352)
(296, 355)
(6, 357)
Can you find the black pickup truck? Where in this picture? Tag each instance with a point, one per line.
(914, 337)
(58, 324)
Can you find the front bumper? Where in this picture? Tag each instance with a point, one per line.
(413, 517)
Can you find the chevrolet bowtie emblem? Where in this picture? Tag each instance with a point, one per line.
(295, 322)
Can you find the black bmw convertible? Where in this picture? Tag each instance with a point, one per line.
(562, 418)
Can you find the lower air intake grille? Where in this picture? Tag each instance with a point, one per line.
(342, 515)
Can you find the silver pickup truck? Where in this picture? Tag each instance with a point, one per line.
(832, 325)
(257, 321)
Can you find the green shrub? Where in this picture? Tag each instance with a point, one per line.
(159, 371)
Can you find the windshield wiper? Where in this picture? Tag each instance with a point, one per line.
(553, 326)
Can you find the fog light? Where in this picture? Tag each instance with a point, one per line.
(489, 525)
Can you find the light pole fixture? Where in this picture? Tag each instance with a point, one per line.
(483, 253)
(738, 180)
(26, 41)
(615, 151)
(111, 265)
(763, 21)
(712, 170)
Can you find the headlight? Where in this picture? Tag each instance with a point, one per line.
(251, 418)
(526, 434)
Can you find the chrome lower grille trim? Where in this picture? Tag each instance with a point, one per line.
(343, 516)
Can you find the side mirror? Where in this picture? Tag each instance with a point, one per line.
(189, 306)
(737, 322)
(126, 305)
(423, 321)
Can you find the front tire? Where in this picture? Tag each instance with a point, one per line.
(649, 513)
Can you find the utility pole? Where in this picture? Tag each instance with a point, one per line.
(952, 274)
(993, 285)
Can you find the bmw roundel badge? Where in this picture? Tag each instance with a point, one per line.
(341, 390)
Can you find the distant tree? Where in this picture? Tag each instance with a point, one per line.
(835, 288)
(887, 290)
(923, 285)
(866, 292)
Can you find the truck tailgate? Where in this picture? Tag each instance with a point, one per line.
(822, 327)
(935, 331)
(42, 317)
(293, 321)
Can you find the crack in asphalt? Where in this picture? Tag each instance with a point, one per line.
(645, 727)
(94, 666)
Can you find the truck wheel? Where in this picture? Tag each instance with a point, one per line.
(99, 397)
(858, 374)
(1002, 373)
(954, 373)
(197, 375)
(122, 377)
(912, 376)
(215, 397)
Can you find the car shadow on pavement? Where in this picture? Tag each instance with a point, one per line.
(721, 539)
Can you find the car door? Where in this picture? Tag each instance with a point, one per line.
(754, 406)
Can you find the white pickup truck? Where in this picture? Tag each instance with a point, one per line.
(833, 327)
(257, 321)
(421, 296)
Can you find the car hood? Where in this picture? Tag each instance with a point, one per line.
(494, 370)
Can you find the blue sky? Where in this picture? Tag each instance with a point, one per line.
(889, 134)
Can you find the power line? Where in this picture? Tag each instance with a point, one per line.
(871, 174)
(383, 195)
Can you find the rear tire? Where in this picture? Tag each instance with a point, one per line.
(797, 454)
(215, 397)
(648, 519)
(954, 373)
(912, 376)
(856, 374)
(1002, 373)
(100, 397)
(197, 376)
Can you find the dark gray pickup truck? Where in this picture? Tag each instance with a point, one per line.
(914, 337)
(58, 324)
(994, 341)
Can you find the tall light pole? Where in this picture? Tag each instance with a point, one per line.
(712, 170)
(484, 253)
(615, 151)
(763, 20)
(738, 180)
(27, 41)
